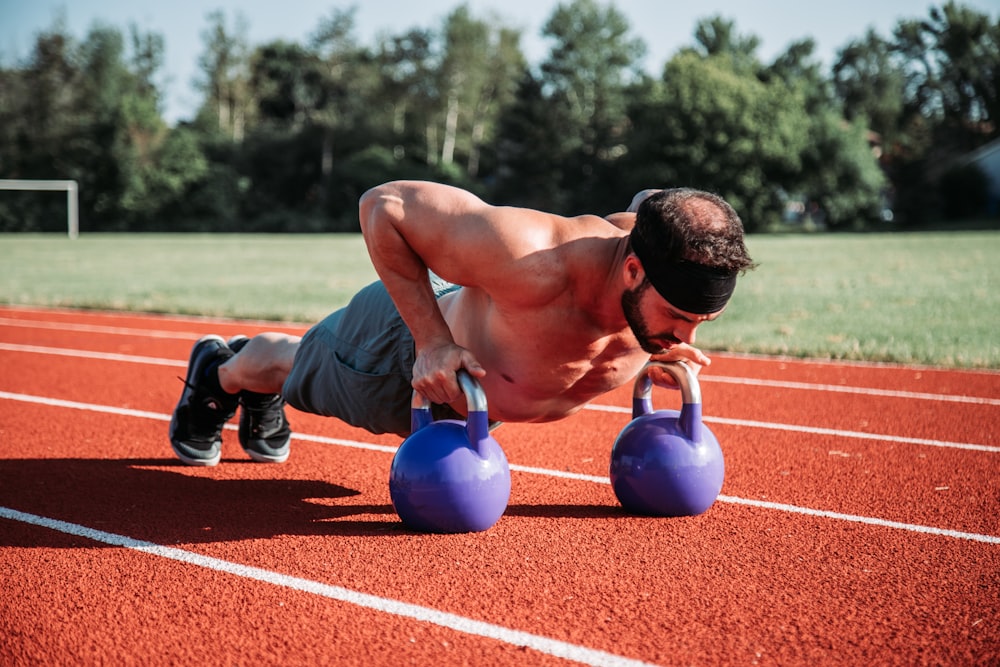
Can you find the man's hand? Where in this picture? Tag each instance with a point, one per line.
(435, 372)
(696, 361)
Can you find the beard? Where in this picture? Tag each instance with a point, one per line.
(636, 322)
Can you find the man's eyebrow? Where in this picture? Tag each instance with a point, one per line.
(678, 315)
(675, 313)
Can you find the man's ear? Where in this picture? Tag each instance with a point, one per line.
(632, 270)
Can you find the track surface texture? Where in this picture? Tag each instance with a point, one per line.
(858, 525)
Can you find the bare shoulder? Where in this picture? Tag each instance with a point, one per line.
(624, 221)
(560, 257)
(534, 258)
(520, 256)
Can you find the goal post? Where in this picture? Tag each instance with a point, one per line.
(72, 197)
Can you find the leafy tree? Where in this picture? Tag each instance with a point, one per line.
(931, 95)
(479, 65)
(224, 63)
(405, 66)
(347, 79)
(37, 113)
(716, 36)
(585, 79)
(531, 146)
(461, 73)
(802, 72)
(131, 170)
(707, 126)
(286, 84)
(967, 46)
(839, 171)
(870, 84)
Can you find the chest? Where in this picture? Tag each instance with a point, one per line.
(543, 363)
(569, 359)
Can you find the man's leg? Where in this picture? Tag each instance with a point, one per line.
(204, 408)
(258, 372)
(217, 381)
(261, 365)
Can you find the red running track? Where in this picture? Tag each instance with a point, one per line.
(858, 524)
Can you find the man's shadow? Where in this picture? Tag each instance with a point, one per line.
(154, 501)
(145, 500)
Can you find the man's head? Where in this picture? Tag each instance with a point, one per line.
(690, 244)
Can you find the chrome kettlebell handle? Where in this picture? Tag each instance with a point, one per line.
(478, 418)
(474, 395)
(687, 381)
(679, 370)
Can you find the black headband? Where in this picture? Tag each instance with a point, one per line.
(689, 286)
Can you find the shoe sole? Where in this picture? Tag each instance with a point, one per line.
(265, 458)
(206, 462)
(214, 461)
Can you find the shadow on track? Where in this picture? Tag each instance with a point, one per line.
(150, 499)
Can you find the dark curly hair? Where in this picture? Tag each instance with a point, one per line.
(693, 225)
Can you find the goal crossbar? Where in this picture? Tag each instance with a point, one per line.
(72, 197)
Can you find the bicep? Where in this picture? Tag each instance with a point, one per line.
(406, 224)
(469, 242)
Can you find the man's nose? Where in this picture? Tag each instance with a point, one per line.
(686, 333)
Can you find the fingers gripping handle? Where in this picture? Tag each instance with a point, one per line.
(687, 381)
(478, 419)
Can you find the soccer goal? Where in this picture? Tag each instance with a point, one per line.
(72, 198)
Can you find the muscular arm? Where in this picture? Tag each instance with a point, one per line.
(410, 227)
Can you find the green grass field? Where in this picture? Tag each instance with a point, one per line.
(927, 298)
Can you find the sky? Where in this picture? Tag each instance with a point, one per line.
(664, 25)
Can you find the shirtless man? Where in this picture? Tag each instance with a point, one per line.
(552, 312)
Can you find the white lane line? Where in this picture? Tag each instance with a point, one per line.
(377, 603)
(707, 378)
(144, 333)
(917, 528)
(88, 354)
(98, 328)
(871, 521)
(843, 389)
(815, 430)
(748, 423)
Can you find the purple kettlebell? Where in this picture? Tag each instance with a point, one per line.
(667, 463)
(450, 476)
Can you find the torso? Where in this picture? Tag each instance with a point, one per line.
(545, 361)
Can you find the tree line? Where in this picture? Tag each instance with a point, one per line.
(288, 135)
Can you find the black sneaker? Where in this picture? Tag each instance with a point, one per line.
(196, 426)
(264, 430)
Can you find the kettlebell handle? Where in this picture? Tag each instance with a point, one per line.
(679, 370)
(687, 381)
(477, 423)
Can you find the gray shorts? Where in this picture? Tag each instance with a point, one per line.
(357, 364)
